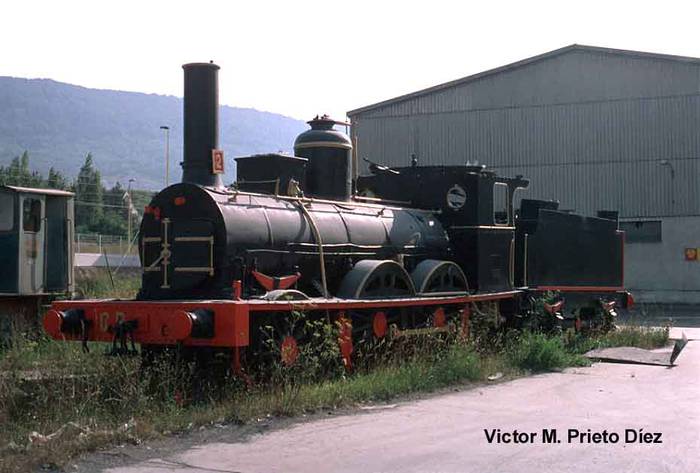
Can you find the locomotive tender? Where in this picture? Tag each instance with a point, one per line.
(394, 253)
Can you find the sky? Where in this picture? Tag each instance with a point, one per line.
(302, 58)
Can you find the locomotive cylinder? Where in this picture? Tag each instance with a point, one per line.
(201, 124)
(329, 151)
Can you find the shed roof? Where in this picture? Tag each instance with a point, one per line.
(37, 190)
(525, 62)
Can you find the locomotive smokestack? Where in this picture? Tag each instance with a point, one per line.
(203, 162)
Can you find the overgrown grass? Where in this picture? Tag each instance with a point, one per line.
(100, 286)
(49, 416)
(539, 352)
(56, 401)
(639, 336)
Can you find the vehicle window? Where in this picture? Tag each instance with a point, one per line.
(500, 204)
(31, 215)
(7, 212)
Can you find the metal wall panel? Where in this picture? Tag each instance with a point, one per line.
(593, 155)
(576, 76)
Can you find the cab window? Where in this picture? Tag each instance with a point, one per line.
(500, 204)
(7, 212)
(31, 215)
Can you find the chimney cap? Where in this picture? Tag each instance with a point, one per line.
(200, 64)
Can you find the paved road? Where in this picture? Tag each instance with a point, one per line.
(446, 433)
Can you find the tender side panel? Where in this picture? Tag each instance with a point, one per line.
(574, 251)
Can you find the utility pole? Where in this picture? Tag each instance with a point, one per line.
(130, 206)
(167, 154)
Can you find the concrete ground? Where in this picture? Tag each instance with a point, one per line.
(445, 433)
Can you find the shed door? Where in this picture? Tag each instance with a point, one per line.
(32, 249)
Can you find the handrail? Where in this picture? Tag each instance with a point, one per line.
(317, 237)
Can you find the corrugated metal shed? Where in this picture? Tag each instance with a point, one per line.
(596, 128)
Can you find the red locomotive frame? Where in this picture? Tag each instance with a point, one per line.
(170, 322)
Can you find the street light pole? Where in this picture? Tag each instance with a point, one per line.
(167, 154)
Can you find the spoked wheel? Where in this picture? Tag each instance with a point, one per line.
(345, 339)
(286, 346)
(376, 279)
(275, 341)
(439, 277)
(370, 279)
(364, 336)
(438, 318)
(435, 276)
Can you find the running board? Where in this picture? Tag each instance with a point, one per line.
(394, 332)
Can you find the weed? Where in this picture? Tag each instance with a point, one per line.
(539, 352)
(99, 286)
(629, 335)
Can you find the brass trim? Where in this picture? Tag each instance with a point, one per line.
(208, 239)
(511, 266)
(192, 269)
(165, 254)
(396, 333)
(323, 144)
(525, 260)
(482, 227)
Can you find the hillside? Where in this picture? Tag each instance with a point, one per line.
(60, 123)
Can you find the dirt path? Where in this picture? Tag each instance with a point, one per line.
(446, 433)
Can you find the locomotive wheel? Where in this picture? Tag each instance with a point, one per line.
(439, 318)
(289, 350)
(379, 324)
(345, 343)
(369, 325)
(274, 339)
(439, 276)
(376, 279)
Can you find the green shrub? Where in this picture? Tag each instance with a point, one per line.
(539, 352)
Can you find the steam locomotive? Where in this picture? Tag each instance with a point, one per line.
(398, 252)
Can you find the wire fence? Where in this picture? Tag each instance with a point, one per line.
(99, 243)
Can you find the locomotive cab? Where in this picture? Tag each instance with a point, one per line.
(473, 204)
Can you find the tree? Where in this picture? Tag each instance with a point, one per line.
(19, 174)
(96, 209)
(114, 219)
(56, 180)
(88, 197)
